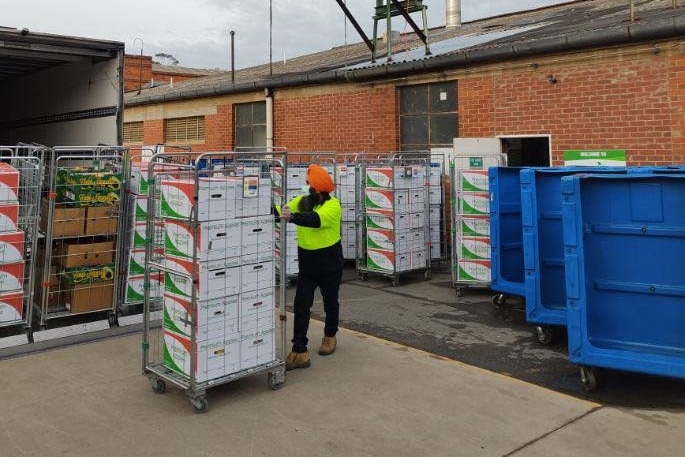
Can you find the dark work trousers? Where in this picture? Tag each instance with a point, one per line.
(329, 284)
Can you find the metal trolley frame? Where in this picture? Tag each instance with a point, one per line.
(102, 159)
(392, 160)
(193, 168)
(459, 215)
(129, 309)
(27, 160)
(443, 260)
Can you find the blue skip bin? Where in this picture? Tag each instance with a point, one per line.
(543, 246)
(506, 233)
(624, 244)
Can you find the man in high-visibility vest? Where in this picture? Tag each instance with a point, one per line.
(317, 216)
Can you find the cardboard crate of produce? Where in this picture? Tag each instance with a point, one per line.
(71, 255)
(96, 296)
(85, 275)
(101, 220)
(66, 221)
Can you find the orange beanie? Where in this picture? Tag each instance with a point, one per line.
(319, 179)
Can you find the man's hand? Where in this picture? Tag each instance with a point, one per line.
(285, 213)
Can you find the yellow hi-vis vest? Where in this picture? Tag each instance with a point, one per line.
(330, 213)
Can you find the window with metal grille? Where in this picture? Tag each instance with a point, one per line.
(250, 125)
(184, 129)
(133, 132)
(428, 116)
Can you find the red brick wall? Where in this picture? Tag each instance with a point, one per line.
(677, 90)
(153, 132)
(632, 102)
(134, 72)
(629, 103)
(362, 120)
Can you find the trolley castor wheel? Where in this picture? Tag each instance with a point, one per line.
(427, 275)
(200, 405)
(499, 300)
(158, 385)
(364, 277)
(113, 321)
(276, 379)
(395, 282)
(459, 292)
(588, 377)
(544, 334)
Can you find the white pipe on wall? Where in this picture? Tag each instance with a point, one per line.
(268, 93)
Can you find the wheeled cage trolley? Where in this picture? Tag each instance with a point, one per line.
(393, 207)
(210, 265)
(470, 220)
(21, 177)
(82, 219)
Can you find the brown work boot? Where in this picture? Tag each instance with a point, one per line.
(328, 344)
(297, 360)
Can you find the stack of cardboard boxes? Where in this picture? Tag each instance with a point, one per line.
(11, 247)
(472, 222)
(395, 203)
(346, 190)
(296, 177)
(435, 196)
(84, 230)
(225, 264)
(136, 240)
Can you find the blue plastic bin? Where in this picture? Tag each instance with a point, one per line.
(506, 232)
(624, 249)
(543, 246)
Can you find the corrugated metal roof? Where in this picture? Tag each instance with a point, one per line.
(579, 19)
(447, 46)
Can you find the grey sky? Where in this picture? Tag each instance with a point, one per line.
(196, 31)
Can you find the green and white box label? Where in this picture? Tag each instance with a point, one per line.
(475, 226)
(473, 248)
(474, 181)
(474, 204)
(474, 270)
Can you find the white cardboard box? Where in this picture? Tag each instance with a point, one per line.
(256, 276)
(135, 288)
(347, 195)
(349, 213)
(257, 349)
(214, 358)
(215, 239)
(216, 319)
(257, 311)
(257, 236)
(213, 280)
(387, 199)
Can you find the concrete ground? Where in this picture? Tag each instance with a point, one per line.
(371, 398)
(405, 381)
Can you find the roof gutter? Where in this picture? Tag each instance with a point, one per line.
(671, 27)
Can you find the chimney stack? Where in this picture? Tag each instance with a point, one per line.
(453, 13)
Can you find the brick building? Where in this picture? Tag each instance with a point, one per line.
(142, 72)
(579, 75)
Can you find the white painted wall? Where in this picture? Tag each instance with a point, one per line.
(70, 87)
